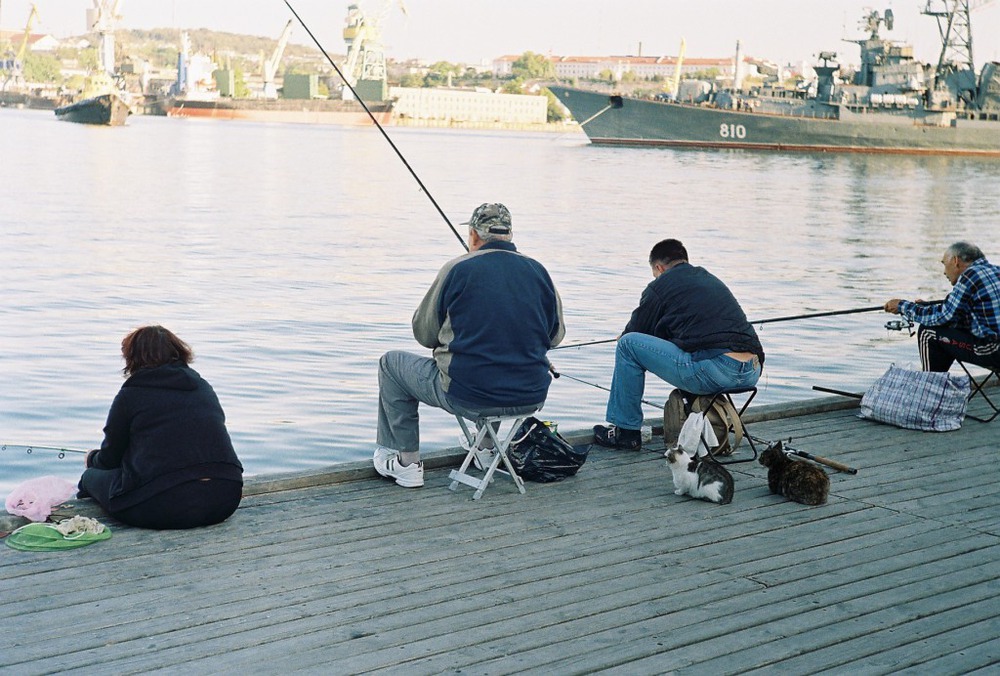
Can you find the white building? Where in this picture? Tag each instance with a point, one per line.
(643, 67)
(37, 42)
(465, 105)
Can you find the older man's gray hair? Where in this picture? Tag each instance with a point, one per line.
(966, 251)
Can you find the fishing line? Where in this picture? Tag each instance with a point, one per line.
(557, 374)
(380, 128)
(762, 321)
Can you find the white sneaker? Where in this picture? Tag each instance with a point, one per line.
(388, 465)
(381, 457)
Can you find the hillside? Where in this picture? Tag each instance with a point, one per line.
(159, 46)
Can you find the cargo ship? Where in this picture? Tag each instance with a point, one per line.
(891, 104)
(317, 111)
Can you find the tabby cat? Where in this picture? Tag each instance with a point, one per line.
(797, 480)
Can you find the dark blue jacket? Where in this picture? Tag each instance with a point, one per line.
(694, 310)
(165, 427)
(491, 316)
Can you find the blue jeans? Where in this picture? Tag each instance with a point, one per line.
(637, 353)
(405, 381)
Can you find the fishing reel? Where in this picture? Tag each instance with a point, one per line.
(900, 325)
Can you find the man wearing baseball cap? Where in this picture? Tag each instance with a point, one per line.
(490, 317)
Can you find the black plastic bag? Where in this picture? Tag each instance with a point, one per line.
(539, 454)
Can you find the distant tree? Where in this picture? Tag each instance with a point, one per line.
(240, 90)
(629, 76)
(87, 59)
(442, 70)
(706, 74)
(533, 66)
(412, 80)
(607, 76)
(515, 86)
(554, 113)
(41, 68)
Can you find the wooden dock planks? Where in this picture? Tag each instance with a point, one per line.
(606, 571)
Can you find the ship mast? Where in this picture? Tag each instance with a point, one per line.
(955, 31)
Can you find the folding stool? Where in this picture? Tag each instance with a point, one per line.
(977, 388)
(728, 396)
(488, 429)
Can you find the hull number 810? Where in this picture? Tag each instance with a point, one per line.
(732, 131)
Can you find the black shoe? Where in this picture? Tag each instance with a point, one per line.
(613, 436)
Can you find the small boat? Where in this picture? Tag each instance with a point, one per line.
(101, 102)
(107, 109)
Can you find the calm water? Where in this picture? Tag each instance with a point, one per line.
(290, 257)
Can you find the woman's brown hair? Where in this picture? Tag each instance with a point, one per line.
(152, 346)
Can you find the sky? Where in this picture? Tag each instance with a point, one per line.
(476, 31)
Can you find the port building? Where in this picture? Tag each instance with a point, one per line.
(642, 67)
(475, 106)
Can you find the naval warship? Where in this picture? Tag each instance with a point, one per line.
(890, 104)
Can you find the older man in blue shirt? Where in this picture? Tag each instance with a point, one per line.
(490, 318)
(966, 324)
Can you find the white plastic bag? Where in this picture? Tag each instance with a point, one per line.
(35, 498)
(697, 435)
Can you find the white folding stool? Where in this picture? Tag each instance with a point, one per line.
(488, 428)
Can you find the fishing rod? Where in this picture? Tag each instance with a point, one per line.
(811, 315)
(380, 128)
(773, 320)
(30, 449)
(889, 325)
(789, 451)
(821, 460)
(589, 342)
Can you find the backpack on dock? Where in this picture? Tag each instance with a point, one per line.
(721, 415)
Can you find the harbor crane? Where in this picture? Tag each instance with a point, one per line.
(32, 18)
(363, 37)
(102, 19)
(269, 67)
(12, 64)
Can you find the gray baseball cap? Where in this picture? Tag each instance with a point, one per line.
(491, 218)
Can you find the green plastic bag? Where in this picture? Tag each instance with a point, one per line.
(44, 537)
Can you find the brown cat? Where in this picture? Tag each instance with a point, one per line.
(797, 480)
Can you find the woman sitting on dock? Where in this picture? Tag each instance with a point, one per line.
(166, 460)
